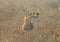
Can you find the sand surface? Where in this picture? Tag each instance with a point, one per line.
(44, 28)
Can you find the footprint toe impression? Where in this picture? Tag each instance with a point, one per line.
(36, 15)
